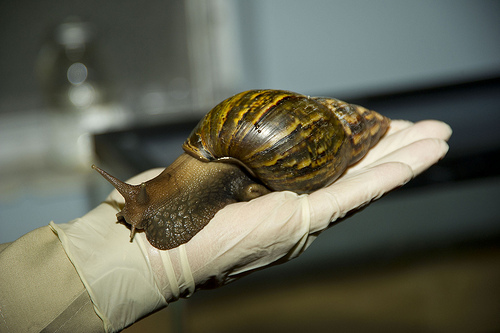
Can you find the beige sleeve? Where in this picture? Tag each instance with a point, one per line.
(40, 290)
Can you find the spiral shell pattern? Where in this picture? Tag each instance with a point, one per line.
(287, 140)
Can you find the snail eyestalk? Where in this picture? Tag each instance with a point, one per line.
(134, 195)
(123, 188)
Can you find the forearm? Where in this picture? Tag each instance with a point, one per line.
(40, 289)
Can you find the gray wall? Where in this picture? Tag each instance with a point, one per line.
(356, 47)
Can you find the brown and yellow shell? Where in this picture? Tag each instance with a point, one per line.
(248, 145)
(287, 140)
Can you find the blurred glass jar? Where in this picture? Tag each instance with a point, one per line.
(67, 68)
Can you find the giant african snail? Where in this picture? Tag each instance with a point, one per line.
(248, 145)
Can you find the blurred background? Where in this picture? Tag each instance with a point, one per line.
(122, 83)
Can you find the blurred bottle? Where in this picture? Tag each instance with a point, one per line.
(67, 67)
(72, 82)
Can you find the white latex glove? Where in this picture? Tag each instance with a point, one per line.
(128, 280)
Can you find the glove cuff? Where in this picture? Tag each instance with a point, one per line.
(117, 274)
(171, 270)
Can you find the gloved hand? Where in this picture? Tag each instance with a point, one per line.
(128, 280)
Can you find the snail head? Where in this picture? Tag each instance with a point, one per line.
(137, 200)
(172, 207)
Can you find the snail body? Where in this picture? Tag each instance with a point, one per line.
(250, 144)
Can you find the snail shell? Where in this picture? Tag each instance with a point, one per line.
(287, 140)
(248, 145)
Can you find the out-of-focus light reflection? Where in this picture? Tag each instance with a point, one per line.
(82, 95)
(77, 73)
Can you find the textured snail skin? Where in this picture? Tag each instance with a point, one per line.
(248, 145)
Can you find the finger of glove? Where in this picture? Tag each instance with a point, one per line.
(358, 188)
(419, 155)
(403, 135)
(397, 125)
(355, 191)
